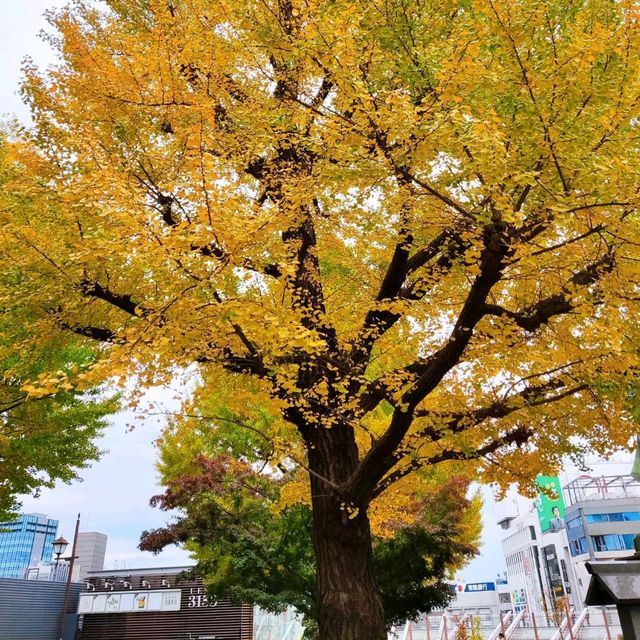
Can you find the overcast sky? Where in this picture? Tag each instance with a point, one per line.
(113, 497)
(20, 23)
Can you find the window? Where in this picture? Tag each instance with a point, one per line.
(613, 542)
(578, 547)
(623, 516)
(573, 523)
(597, 517)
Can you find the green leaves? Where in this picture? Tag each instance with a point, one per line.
(47, 438)
(249, 550)
(48, 429)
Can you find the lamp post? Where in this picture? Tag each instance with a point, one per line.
(59, 547)
(71, 560)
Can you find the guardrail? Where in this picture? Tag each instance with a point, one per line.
(590, 624)
(514, 624)
(579, 621)
(504, 620)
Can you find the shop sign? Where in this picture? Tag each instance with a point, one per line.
(129, 601)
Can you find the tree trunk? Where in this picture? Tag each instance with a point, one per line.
(349, 602)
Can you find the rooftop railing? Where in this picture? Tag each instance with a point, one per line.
(586, 488)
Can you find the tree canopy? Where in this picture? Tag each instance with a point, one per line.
(390, 235)
(49, 435)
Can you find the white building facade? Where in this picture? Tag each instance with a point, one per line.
(539, 569)
(545, 547)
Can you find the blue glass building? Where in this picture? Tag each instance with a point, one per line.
(27, 540)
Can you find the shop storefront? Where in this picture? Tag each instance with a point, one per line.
(158, 604)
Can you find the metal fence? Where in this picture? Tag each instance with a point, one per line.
(277, 626)
(592, 623)
(31, 609)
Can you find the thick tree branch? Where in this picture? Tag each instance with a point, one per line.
(535, 315)
(124, 302)
(429, 372)
(428, 253)
(446, 246)
(518, 436)
(101, 334)
(379, 320)
(531, 396)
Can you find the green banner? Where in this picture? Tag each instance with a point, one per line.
(550, 504)
(635, 470)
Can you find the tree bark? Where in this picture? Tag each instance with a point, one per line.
(349, 601)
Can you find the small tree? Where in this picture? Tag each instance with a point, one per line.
(559, 613)
(390, 236)
(252, 547)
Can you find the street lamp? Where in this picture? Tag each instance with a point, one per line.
(71, 560)
(59, 547)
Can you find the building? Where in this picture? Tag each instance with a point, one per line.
(479, 607)
(90, 552)
(602, 519)
(24, 542)
(539, 568)
(547, 541)
(47, 571)
(162, 603)
(482, 600)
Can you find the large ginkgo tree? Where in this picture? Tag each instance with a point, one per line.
(390, 235)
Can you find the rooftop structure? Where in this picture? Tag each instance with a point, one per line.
(602, 520)
(90, 552)
(587, 488)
